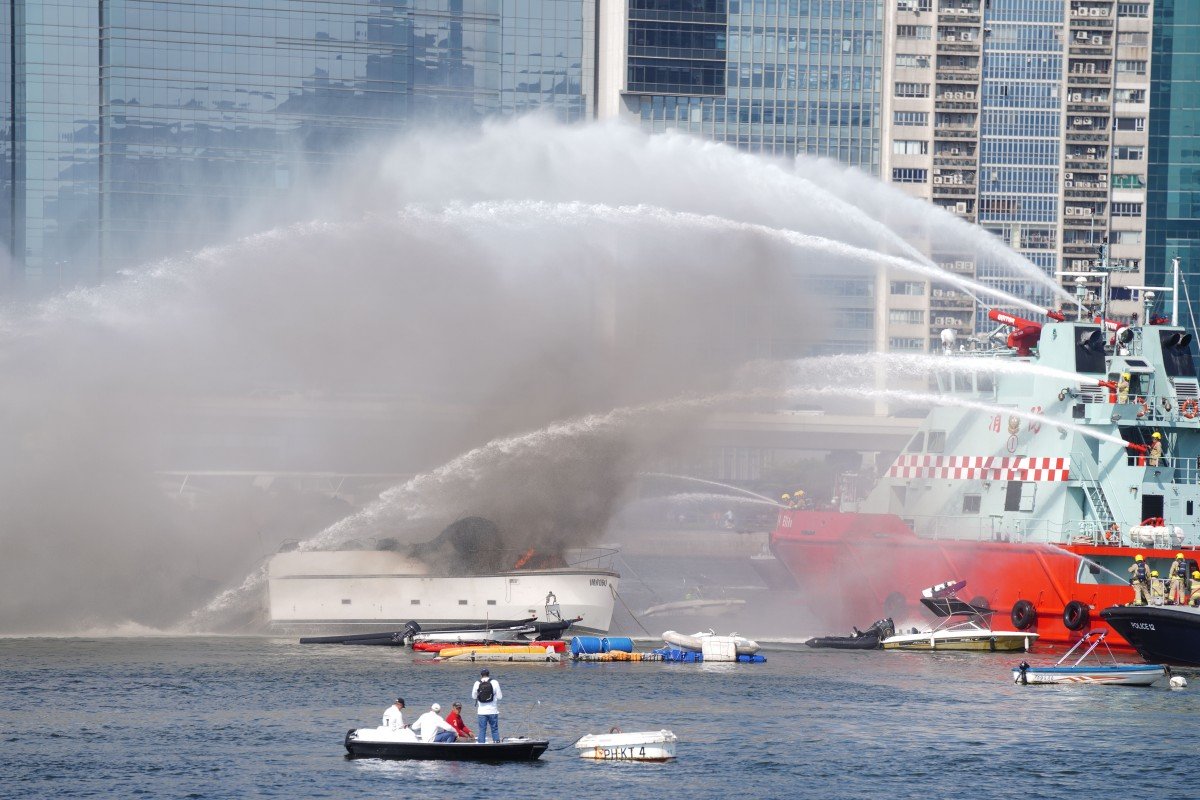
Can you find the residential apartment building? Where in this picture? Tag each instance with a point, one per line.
(1028, 118)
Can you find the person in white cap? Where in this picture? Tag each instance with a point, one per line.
(433, 728)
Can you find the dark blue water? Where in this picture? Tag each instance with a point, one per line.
(231, 718)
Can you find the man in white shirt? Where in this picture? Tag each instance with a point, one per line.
(433, 728)
(393, 717)
(486, 708)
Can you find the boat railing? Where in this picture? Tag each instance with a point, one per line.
(1172, 469)
(592, 558)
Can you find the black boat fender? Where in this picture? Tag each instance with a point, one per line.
(1076, 616)
(1023, 615)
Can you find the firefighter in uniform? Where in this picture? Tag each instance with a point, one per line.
(1196, 588)
(787, 501)
(1156, 450)
(1123, 388)
(1179, 581)
(1140, 581)
(1158, 589)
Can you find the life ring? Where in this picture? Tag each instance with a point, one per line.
(1076, 616)
(1023, 615)
(1189, 409)
(1113, 534)
(1143, 408)
(1154, 522)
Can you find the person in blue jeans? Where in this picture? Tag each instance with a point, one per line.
(486, 694)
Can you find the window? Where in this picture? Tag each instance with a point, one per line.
(1128, 182)
(1131, 95)
(910, 118)
(1133, 9)
(915, 288)
(1127, 237)
(905, 175)
(971, 503)
(1130, 153)
(912, 90)
(1131, 67)
(914, 5)
(904, 316)
(917, 443)
(937, 441)
(1019, 496)
(909, 343)
(1133, 38)
(913, 60)
(1129, 124)
(914, 32)
(1126, 209)
(910, 147)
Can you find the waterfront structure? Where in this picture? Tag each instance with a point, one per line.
(1029, 118)
(128, 122)
(1173, 185)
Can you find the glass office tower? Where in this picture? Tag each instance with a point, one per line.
(1173, 197)
(128, 116)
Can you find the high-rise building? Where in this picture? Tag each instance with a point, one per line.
(131, 119)
(1173, 190)
(1029, 118)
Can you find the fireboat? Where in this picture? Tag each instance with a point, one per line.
(1040, 505)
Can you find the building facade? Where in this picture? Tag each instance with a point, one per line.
(1029, 118)
(1173, 190)
(132, 119)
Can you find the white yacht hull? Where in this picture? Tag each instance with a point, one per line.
(354, 590)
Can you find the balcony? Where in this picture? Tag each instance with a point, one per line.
(947, 132)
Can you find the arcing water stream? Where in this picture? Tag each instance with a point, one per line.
(457, 290)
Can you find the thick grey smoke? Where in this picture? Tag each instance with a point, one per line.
(430, 287)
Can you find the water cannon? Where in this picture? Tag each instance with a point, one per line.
(1025, 334)
(1108, 384)
(1141, 449)
(1110, 324)
(1057, 316)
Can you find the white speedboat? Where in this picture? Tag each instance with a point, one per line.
(695, 641)
(1112, 673)
(633, 746)
(464, 577)
(962, 627)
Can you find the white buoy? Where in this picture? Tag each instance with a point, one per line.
(1178, 682)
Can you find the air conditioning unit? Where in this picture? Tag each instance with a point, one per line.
(1097, 40)
(958, 95)
(937, 178)
(1077, 97)
(960, 208)
(1069, 184)
(950, 37)
(1081, 34)
(1069, 176)
(954, 151)
(969, 95)
(1070, 211)
(967, 36)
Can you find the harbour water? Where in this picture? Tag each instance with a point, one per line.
(260, 717)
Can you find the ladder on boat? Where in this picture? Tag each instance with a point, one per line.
(1097, 502)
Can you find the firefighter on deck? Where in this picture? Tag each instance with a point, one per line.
(1196, 588)
(1123, 388)
(1156, 450)
(1158, 589)
(1179, 581)
(1140, 581)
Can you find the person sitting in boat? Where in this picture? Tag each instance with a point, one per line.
(1179, 581)
(1156, 450)
(455, 720)
(1140, 580)
(1158, 589)
(433, 728)
(1123, 388)
(393, 715)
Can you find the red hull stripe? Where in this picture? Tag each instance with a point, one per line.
(985, 468)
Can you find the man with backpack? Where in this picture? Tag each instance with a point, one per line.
(486, 694)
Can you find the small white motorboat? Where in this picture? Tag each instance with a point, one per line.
(971, 631)
(634, 746)
(695, 641)
(1112, 674)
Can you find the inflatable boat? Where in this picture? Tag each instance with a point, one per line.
(695, 642)
(870, 639)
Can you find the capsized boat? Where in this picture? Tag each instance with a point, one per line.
(403, 745)
(869, 639)
(963, 626)
(1112, 673)
(1166, 634)
(633, 746)
(1041, 506)
(695, 641)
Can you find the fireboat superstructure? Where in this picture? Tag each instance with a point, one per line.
(1041, 519)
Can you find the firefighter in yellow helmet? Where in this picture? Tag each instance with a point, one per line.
(1158, 589)
(1156, 450)
(1123, 388)
(787, 500)
(798, 497)
(1179, 581)
(1195, 588)
(1140, 580)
